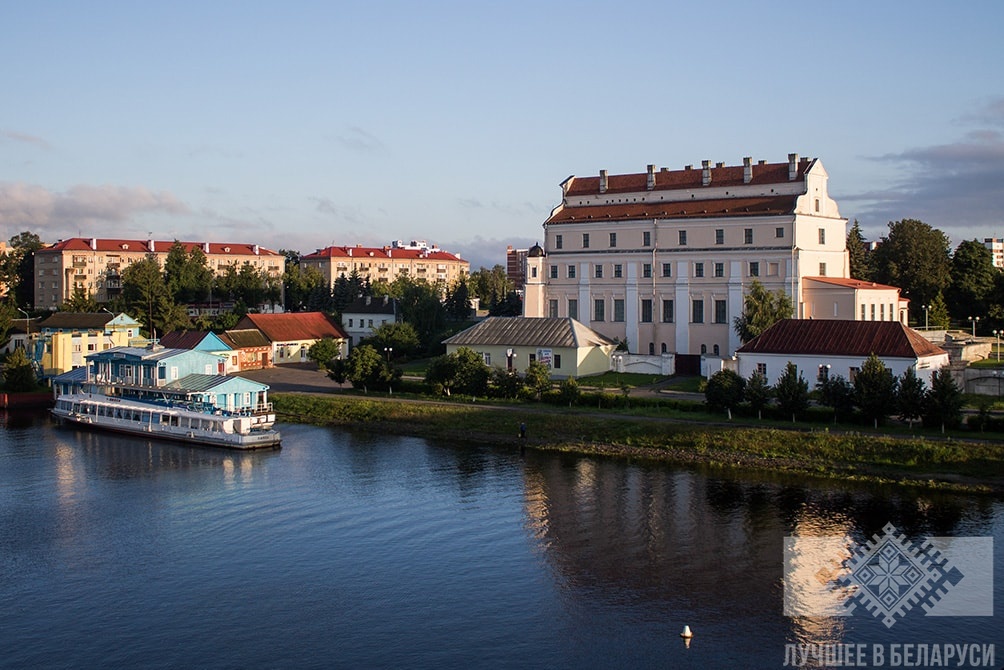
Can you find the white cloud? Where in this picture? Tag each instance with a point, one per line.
(25, 138)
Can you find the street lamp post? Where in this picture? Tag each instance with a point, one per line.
(974, 320)
(997, 334)
(925, 308)
(388, 351)
(509, 353)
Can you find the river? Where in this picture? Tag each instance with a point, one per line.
(351, 550)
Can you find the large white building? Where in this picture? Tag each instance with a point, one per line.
(662, 259)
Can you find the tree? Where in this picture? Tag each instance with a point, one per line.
(857, 250)
(18, 373)
(761, 310)
(458, 300)
(569, 391)
(399, 336)
(758, 393)
(366, 368)
(973, 280)
(792, 391)
(838, 393)
(324, 351)
(472, 373)
(910, 396)
(506, 383)
(724, 391)
(915, 257)
(944, 400)
(419, 302)
(8, 314)
(537, 378)
(937, 313)
(187, 274)
(18, 267)
(442, 372)
(875, 390)
(81, 301)
(490, 287)
(147, 298)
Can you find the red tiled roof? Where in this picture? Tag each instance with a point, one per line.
(382, 252)
(293, 326)
(824, 337)
(859, 284)
(109, 245)
(667, 180)
(688, 209)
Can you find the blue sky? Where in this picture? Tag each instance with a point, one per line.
(302, 124)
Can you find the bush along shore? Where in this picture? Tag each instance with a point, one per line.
(943, 464)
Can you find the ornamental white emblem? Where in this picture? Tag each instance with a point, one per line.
(891, 574)
(888, 576)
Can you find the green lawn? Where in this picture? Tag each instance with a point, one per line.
(614, 380)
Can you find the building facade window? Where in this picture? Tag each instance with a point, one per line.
(822, 269)
(720, 308)
(646, 270)
(585, 240)
(667, 269)
(618, 270)
(698, 269)
(683, 238)
(754, 268)
(719, 236)
(697, 311)
(558, 241)
(552, 308)
(598, 271)
(761, 369)
(571, 272)
(557, 361)
(779, 232)
(554, 272)
(667, 311)
(573, 308)
(719, 269)
(748, 236)
(822, 235)
(646, 238)
(618, 309)
(613, 239)
(599, 309)
(646, 311)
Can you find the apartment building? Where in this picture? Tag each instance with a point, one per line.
(416, 259)
(662, 259)
(96, 265)
(996, 247)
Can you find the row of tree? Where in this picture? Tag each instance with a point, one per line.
(953, 285)
(874, 394)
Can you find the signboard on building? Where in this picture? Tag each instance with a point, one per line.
(544, 356)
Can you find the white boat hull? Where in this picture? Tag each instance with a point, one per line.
(167, 423)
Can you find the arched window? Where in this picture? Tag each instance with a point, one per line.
(704, 348)
(651, 348)
(664, 349)
(716, 350)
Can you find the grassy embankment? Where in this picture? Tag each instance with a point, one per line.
(972, 466)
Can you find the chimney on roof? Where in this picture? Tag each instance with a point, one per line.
(706, 173)
(350, 251)
(152, 245)
(720, 164)
(94, 244)
(205, 247)
(603, 181)
(256, 250)
(688, 167)
(762, 161)
(747, 169)
(650, 182)
(792, 166)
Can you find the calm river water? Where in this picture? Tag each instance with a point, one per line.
(370, 551)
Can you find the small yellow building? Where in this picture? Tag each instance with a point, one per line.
(567, 347)
(65, 338)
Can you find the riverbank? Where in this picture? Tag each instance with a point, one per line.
(942, 464)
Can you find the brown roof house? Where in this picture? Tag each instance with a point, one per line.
(824, 347)
(292, 334)
(251, 349)
(567, 347)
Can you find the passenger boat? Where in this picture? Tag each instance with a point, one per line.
(168, 420)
